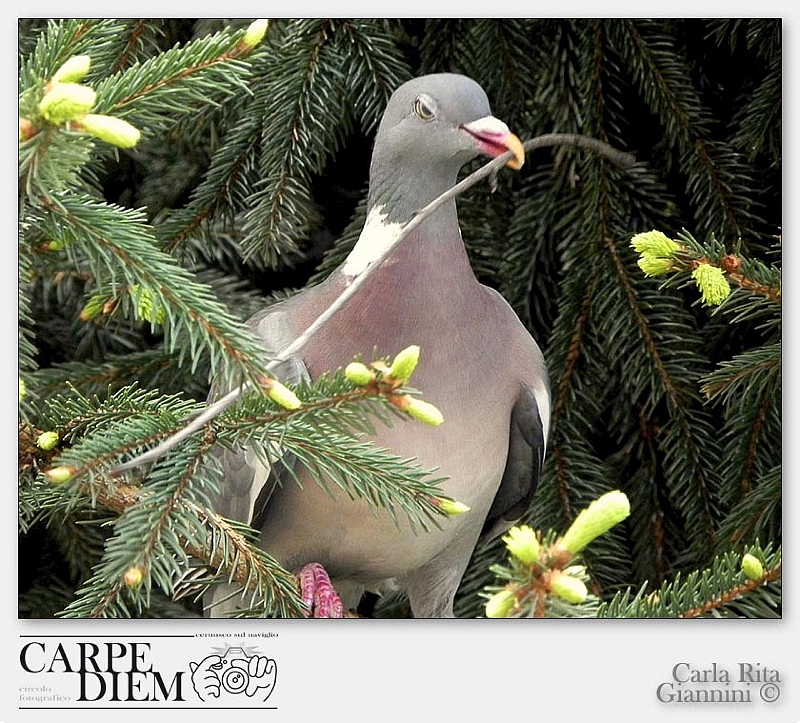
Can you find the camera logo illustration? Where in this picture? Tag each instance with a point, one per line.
(234, 675)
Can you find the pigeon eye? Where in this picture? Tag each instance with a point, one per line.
(423, 110)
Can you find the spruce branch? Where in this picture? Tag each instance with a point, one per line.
(120, 248)
(757, 368)
(731, 262)
(282, 131)
(26, 340)
(323, 436)
(225, 186)
(304, 76)
(372, 63)
(543, 577)
(563, 390)
(712, 267)
(664, 82)
(756, 514)
(722, 590)
(125, 567)
(60, 40)
(230, 555)
(747, 387)
(752, 274)
(684, 418)
(153, 369)
(236, 559)
(177, 81)
(132, 43)
(174, 82)
(168, 505)
(178, 525)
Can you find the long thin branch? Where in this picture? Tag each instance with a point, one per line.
(490, 169)
(237, 567)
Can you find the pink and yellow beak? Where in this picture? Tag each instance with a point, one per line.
(494, 139)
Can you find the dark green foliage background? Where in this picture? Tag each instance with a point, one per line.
(254, 183)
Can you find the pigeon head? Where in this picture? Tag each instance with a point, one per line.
(431, 127)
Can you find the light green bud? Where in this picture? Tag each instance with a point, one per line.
(59, 475)
(26, 129)
(450, 507)
(133, 577)
(47, 440)
(255, 32)
(500, 604)
(712, 284)
(73, 70)
(522, 542)
(359, 374)
(424, 412)
(599, 517)
(404, 364)
(568, 588)
(752, 567)
(652, 266)
(654, 243)
(22, 389)
(146, 306)
(114, 131)
(93, 307)
(281, 394)
(66, 102)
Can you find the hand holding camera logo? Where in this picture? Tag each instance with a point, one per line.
(234, 674)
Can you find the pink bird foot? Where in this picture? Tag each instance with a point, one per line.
(318, 594)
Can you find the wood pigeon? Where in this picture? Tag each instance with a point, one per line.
(478, 365)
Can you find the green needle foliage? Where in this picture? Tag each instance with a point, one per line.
(722, 590)
(138, 265)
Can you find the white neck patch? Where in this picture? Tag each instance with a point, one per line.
(375, 237)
